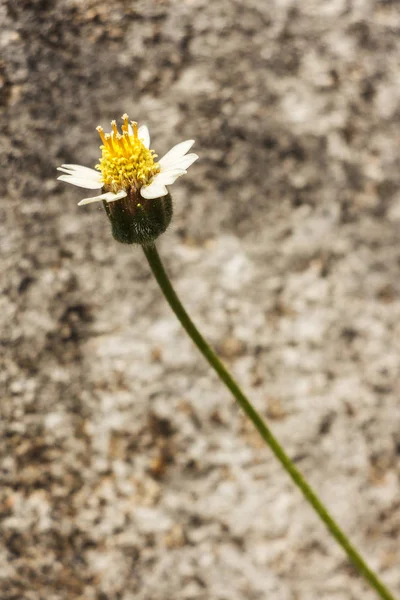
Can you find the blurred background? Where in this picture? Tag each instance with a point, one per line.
(126, 469)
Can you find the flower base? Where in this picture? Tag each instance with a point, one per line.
(139, 222)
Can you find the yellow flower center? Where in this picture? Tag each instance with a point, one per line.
(125, 161)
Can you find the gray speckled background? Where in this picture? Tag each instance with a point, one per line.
(127, 472)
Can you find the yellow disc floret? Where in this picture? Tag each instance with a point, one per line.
(125, 161)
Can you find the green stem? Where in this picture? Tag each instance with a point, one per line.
(163, 281)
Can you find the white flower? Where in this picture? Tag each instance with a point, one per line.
(128, 166)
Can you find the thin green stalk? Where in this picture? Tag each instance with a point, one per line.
(163, 281)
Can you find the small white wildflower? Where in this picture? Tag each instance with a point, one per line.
(127, 167)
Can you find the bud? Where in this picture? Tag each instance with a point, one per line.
(137, 220)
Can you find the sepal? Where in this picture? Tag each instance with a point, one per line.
(136, 220)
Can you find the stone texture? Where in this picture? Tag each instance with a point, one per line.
(127, 472)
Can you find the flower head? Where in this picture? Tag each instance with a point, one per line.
(128, 172)
(127, 164)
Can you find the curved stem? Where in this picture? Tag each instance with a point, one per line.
(311, 497)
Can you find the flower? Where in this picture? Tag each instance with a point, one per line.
(133, 183)
(128, 167)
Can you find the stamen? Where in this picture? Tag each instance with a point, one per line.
(127, 141)
(109, 141)
(135, 129)
(101, 134)
(125, 162)
(114, 127)
(119, 139)
(125, 126)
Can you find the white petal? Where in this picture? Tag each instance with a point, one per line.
(109, 196)
(84, 173)
(79, 169)
(169, 177)
(90, 200)
(154, 190)
(182, 163)
(144, 135)
(175, 153)
(89, 184)
(67, 171)
(95, 179)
